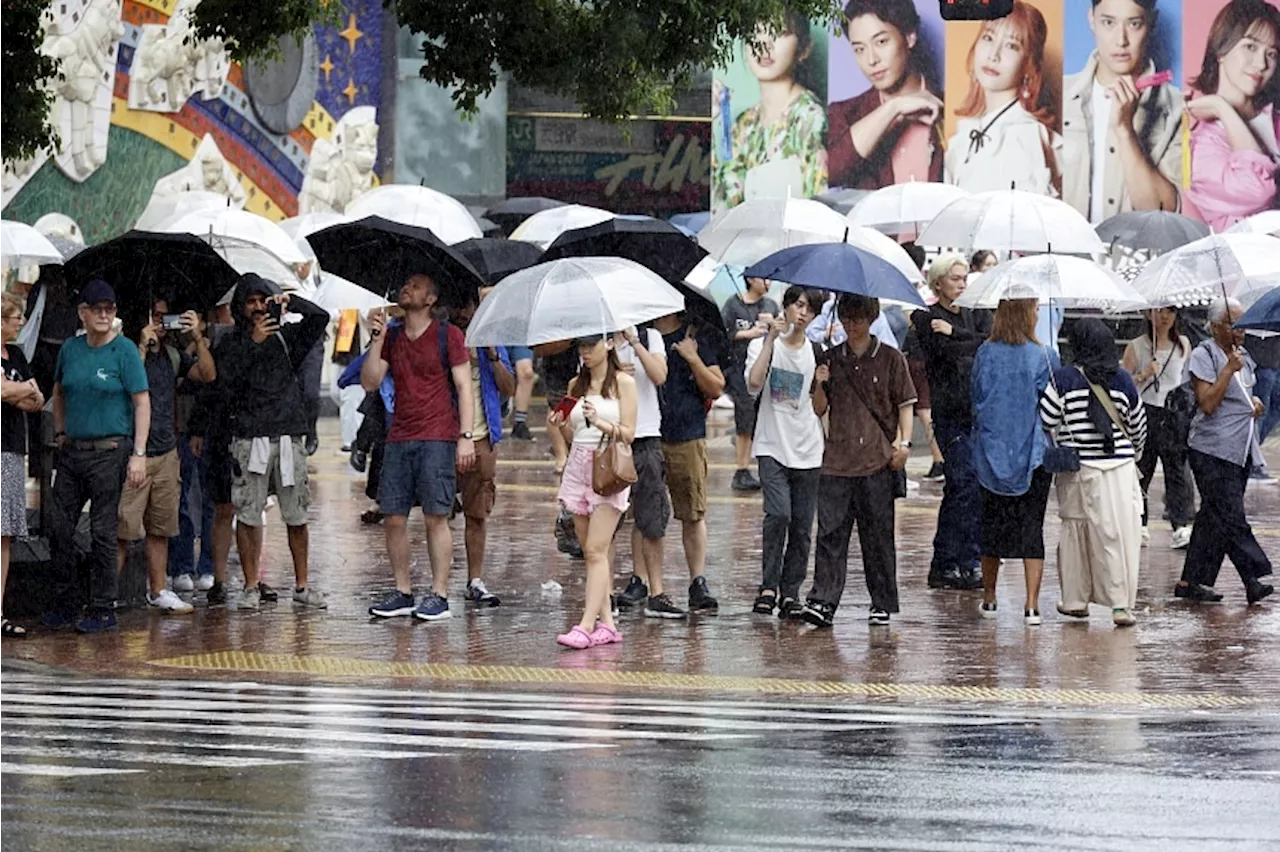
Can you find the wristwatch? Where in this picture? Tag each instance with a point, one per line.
(466, 435)
(141, 454)
(904, 445)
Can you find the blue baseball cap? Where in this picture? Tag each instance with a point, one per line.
(97, 291)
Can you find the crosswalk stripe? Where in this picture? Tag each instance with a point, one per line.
(60, 770)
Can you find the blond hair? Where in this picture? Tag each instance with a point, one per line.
(13, 305)
(942, 266)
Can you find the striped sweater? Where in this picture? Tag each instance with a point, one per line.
(1064, 412)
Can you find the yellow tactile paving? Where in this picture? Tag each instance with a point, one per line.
(241, 661)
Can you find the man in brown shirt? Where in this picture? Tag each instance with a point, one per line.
(871, 403)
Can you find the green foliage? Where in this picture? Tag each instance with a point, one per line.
(24, 125)
(614, 57)
(252, 29)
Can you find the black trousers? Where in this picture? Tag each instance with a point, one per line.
(1172, 455)
(868, 502)
(1221, 528)
(96, 477)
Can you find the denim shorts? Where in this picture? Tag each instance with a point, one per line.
(418, 473)
(519, 353)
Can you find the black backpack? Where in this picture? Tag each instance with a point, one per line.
(1180, 408)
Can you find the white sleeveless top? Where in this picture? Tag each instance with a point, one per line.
(606, 409)
(1155, 390)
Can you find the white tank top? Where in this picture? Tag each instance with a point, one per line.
(606, 409)
(1169, 361)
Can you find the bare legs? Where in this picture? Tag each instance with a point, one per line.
(596, 534)
(524, 385)
(694, 535)
(647, 558)
(157, 561)
(475, 534)
(1033, 572)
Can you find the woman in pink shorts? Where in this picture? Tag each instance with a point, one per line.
(605, 407)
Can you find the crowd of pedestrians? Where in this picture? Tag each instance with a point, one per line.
(825, 404)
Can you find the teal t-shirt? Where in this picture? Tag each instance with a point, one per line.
(98, 384)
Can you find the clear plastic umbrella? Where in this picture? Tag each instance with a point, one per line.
(301, 227)
(750, 232)
(904, 207)
(570, 298)
(1012, 220)
(1071, 282)
(167, 208)
(239, 225)
(543, 228)
(23, 245)
(1266, 222)
(421, 207)
(1243, 266)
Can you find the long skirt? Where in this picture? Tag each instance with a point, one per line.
(1100, 545)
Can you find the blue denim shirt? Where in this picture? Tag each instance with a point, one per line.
(1008, 439)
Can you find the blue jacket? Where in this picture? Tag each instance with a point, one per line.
(351, 376)
(490, 397)
(1008, 438)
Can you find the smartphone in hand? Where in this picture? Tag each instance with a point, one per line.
(565, 407)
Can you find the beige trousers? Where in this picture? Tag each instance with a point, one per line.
(1101, 541)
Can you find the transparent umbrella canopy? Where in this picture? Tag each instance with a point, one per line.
(1243, 266)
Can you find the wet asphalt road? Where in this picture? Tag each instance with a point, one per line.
(321, 730)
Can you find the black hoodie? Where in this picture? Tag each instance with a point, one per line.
(258, 381)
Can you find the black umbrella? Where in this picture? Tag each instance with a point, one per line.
(495, 259)
(1154, 231)
(510, 213)
(379, 254)
(142, 266)
(658, 245)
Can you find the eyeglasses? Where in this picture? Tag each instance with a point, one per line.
(102, 310)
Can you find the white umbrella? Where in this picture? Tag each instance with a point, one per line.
(443, 215)
(1240, 265)
(245, 257)
(240, 225)
(904, 207)
(337, 294)
(1266, 222)
(300, 227)
(543, 227)
(1012, 220)
(167, 208)
(1060, 279)
(23, 245)
(569, 298)
(748, 233)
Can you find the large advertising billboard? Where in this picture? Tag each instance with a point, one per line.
(1110, 105)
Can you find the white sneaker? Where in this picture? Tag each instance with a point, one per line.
(1181, 538)
(1146, 536)
(169, 602)
(182, 583)
(204, 582)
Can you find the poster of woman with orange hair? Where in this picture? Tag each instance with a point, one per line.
(1007, 125)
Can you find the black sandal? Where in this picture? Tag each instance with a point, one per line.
(9, 630)
(764, 602)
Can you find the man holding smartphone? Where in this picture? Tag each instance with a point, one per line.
(151, 509)
(257, 364)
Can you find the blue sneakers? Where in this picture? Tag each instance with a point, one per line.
(398, 604)
(432, 608)
(97, 621)
(59, 619)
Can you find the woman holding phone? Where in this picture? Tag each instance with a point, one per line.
(604, 404)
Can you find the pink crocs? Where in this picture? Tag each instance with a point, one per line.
(576, 638)
(605, 635)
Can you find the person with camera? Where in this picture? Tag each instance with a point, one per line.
(257, 365)
(102, 420)
(150, 509)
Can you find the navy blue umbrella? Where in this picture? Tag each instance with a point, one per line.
(1264, 315)
(839, 267)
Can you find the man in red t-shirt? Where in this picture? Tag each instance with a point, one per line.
(430, 438)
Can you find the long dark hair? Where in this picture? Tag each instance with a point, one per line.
(1174, 334)
(609, 388)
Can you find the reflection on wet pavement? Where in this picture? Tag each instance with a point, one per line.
(305, 729)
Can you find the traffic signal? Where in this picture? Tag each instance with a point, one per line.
(974, 10)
